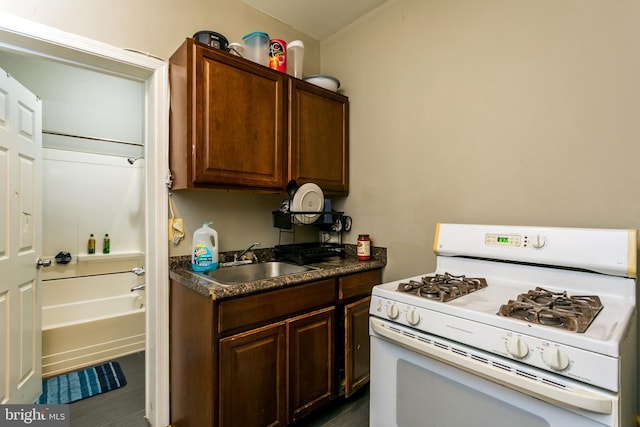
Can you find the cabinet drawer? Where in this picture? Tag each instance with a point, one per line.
(273, 305)
(359, 283)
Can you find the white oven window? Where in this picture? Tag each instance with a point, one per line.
(410, 389)
(445, 402)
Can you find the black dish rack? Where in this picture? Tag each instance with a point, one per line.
(286, 220)
(306, 253)
(328, 222)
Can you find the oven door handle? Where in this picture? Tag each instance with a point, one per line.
(581, 399)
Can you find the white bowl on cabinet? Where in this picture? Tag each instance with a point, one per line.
(323, 80)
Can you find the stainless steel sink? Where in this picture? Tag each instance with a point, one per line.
(251, 272)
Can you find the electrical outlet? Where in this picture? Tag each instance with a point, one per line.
(176, 229)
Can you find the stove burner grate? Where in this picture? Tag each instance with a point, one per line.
(442, 287)
(573, 313)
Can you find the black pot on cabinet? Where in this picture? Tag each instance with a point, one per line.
(211, 38)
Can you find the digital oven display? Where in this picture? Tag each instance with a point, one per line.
(512, 240)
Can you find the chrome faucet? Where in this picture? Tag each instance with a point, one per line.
(239, 256)
(138, 271)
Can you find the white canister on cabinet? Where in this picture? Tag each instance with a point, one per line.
(295, 58)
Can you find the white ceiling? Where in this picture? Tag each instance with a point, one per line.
(317, 18)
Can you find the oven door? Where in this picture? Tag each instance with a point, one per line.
(419, 380)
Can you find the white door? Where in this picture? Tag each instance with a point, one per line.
(20, 242)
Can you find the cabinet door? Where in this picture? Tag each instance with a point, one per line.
(356, 324)
(318, 137)
(253, 377)
(311, 361)
(239, 139)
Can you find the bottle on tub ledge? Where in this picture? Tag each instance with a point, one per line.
(91, 244)
(106, 244)
(204, 254)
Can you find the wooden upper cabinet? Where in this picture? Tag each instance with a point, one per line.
(237, 124)
(227, 121)
(318, 137)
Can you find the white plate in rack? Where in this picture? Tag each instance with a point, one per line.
(308, 198)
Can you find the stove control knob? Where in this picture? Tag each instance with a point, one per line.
(556, 359)
(392, 311)
(517, 347)
(413, 317)
(538, 241)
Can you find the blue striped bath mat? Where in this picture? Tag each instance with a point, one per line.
(78, 385)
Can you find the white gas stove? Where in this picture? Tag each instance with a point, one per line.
(547, 312)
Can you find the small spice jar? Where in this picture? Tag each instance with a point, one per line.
(363, 247)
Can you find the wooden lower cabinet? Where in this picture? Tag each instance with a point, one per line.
(253, 377)
(255, 365)
(354, 292)
(311, 361)
(270, 358)
(356, 333)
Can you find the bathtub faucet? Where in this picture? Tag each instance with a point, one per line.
(138, 271)
(140, 287)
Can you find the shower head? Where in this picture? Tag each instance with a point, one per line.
(131, 160)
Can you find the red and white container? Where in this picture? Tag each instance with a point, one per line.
(278, 55)
(363, 247)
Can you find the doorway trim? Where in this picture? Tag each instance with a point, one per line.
(27, 37)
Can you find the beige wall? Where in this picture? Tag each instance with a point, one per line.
(493, 111)
(531, 106)
(159, 27)
(240, 218)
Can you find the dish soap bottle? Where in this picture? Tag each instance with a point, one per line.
(204, 256)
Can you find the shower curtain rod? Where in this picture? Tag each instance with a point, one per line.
(93, 138)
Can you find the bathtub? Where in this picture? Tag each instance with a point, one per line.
(78, 331)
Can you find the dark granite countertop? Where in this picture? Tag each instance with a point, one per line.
(180, 271)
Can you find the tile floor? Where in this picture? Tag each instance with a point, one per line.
(124, 407)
